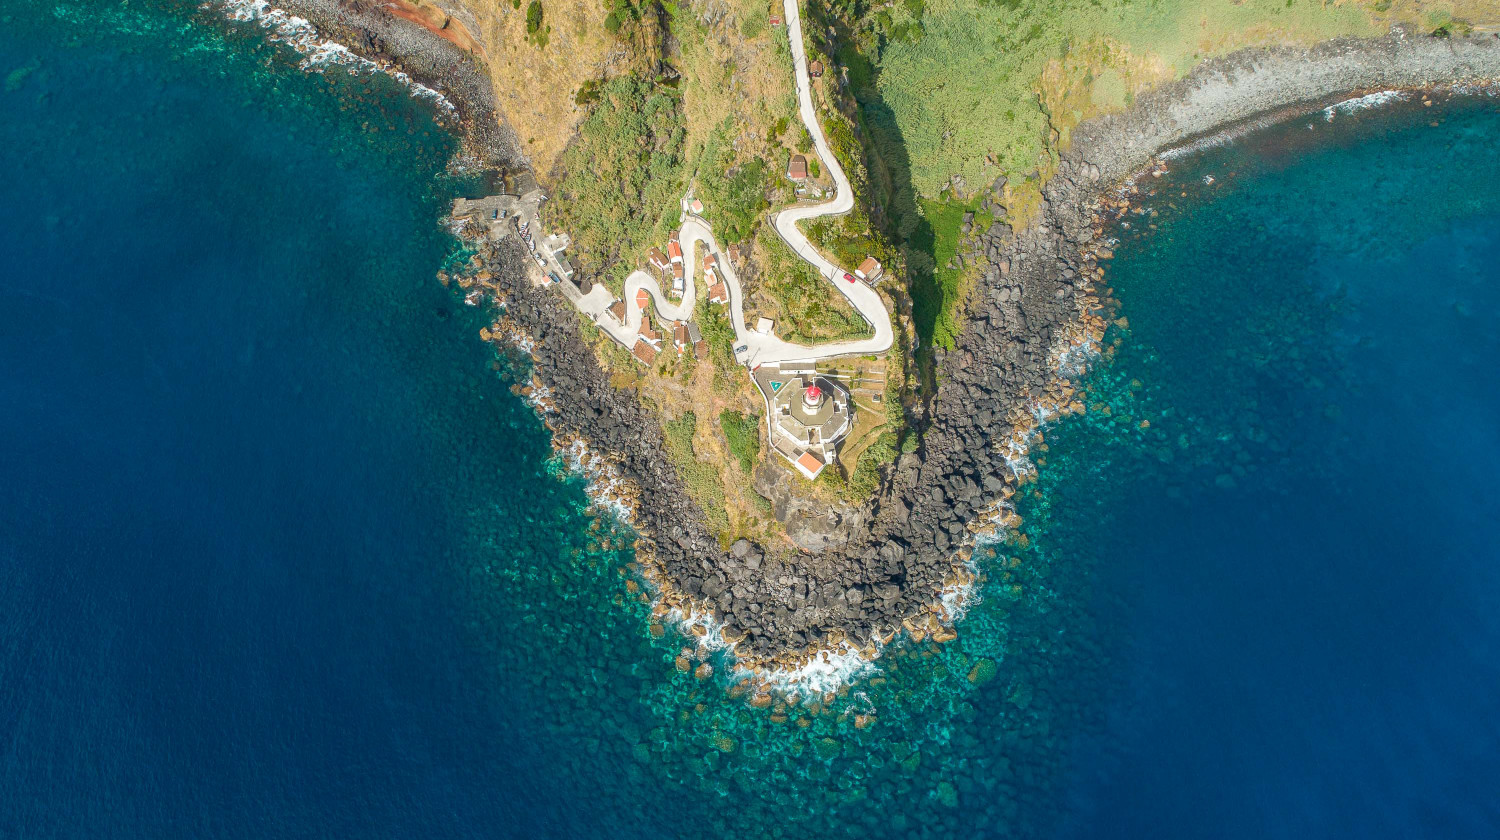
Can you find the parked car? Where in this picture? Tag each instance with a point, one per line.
(848, 278)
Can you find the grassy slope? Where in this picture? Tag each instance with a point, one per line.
(577, 49)
(968, 88)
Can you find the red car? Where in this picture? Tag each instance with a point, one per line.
(848, 278)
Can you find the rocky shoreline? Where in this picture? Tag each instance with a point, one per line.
(1036, 315)
(371, 29)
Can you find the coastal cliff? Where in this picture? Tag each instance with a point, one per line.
(1037, 314)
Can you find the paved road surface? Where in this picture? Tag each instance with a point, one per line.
(754, 348)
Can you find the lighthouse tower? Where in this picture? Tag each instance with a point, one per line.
(812, 397)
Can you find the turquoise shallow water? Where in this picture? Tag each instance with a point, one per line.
(281, 555)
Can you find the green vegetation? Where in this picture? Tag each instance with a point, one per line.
(848, 239)
(982, 88)
(621, 13)
(742, 433)
(754, 23)
(701, 478)
(634, 133)
(866, 475)
(936, 289)
(733, 194)
(535, 31)
(714, 323)
(960, 78)
(813, 310)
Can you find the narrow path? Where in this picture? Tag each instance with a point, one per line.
(754, 348)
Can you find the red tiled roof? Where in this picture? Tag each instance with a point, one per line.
(642, 299)
(643, 351)
(646, 332)
(796, 168)
(674, 250)
(701, 350)
(810, 462)
(617, 309)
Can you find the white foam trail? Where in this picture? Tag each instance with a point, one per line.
(318, 53)
(1360, 103)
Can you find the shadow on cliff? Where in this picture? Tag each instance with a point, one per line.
(897, 210)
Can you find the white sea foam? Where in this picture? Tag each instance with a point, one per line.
(1491, 89)
(1360, 103)
(1222, 138)
(957, 598)
(319, 53)
(1369, 100)
(604, 486)
(829, 670)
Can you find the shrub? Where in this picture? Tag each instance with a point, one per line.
(633, 134)
(702, 479)
(866, 475)
(734, 194)
(742, 432)
(533, 17)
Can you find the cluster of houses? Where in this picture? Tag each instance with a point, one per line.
(685, 335)
(669, 265)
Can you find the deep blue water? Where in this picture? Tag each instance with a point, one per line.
(243, 431)
(281, 555)
(1305, 543)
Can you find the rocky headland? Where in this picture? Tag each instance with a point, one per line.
(1034, 320)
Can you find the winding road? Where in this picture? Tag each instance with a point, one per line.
(754, 348)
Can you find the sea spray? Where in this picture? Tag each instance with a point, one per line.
(320, 53)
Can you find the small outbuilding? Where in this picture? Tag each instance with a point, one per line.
(796, 168)
(809, 465)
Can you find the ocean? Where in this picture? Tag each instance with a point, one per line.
(282, 554)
